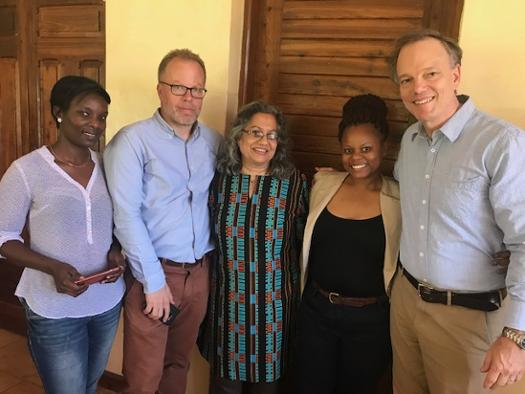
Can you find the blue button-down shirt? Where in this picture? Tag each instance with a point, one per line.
(462, 200)
(159, 186)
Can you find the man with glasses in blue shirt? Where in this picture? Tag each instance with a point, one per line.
(158, 172)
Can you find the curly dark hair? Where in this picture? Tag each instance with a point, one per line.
(229, 160)
(362, 109)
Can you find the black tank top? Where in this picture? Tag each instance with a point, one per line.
(347, 255)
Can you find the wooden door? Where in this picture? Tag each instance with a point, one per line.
(40, 41)
(309, 57)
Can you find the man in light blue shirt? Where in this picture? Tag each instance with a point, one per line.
(158, 172)
(461, 173)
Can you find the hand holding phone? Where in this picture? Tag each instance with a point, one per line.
(174, 311)
(99, 276)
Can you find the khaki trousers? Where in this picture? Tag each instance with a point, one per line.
(157, 357)
(439, 349)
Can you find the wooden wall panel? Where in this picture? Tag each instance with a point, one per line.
(336, 85)
(340, 48)
(8, 30)
(329, 105)
(50, 72)
(348, 28)
(310, 56)
(9, 112)
(93, 69)
(7, 21)
(333, 66)
(353, 9)
(71, 21)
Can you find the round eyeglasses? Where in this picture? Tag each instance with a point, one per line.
(180, 90)
(258, 134)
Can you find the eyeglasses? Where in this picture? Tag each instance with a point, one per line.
(258, 134)
(180, 90)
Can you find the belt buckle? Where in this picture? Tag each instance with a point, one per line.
(427, 289)
(332, 294)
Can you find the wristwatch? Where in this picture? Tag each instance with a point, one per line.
(515, 336)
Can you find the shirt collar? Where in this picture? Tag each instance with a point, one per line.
(170, 130)
(454, 126)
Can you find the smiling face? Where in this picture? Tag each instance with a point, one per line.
(428, 82)
(181, 112)
(84, 121)
(256, 153)
(362, 151)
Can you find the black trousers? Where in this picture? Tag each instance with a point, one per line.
(225, 386)
(340, 349)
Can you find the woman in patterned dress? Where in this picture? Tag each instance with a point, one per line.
(258, 202)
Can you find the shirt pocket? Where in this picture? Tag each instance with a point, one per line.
(464, 194)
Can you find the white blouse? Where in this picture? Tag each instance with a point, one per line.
(67, 222)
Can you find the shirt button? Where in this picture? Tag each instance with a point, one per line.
(422, 227)
(424, 202)
(421, 254)
(427, 176)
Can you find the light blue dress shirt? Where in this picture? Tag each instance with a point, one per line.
(463, 200)
(159, 186)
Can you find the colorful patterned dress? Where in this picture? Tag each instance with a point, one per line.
(255, 281)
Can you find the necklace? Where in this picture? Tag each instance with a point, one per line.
(67, 162)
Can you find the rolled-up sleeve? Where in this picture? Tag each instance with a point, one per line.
(124, 165)
(16, 200)
(507, 197)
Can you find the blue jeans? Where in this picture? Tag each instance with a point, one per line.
(71, 354)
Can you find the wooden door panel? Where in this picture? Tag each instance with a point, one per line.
(347, 9)
(336, 85)
(50, 72)
(310, 56)
(9, 112)
(71, 21)
(333, 66)
(304, 125)
(340, 48)
(348, 28)
(93, 69)
(329, 105)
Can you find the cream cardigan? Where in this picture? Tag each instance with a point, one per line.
(325, 187)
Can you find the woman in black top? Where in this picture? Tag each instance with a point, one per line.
(351, 244)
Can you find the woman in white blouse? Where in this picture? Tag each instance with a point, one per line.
(61, 192)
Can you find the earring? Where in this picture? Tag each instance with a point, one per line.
(59, 120)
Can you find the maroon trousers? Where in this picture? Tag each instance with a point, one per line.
(157, 357)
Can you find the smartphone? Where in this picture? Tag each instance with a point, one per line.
(174, 311)
(99, 276)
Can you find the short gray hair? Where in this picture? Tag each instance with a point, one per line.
(451, 46)
(184, 54)
(229, 160)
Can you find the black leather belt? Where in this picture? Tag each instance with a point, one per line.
(337, 299)
(488, 301)
(185, 265)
